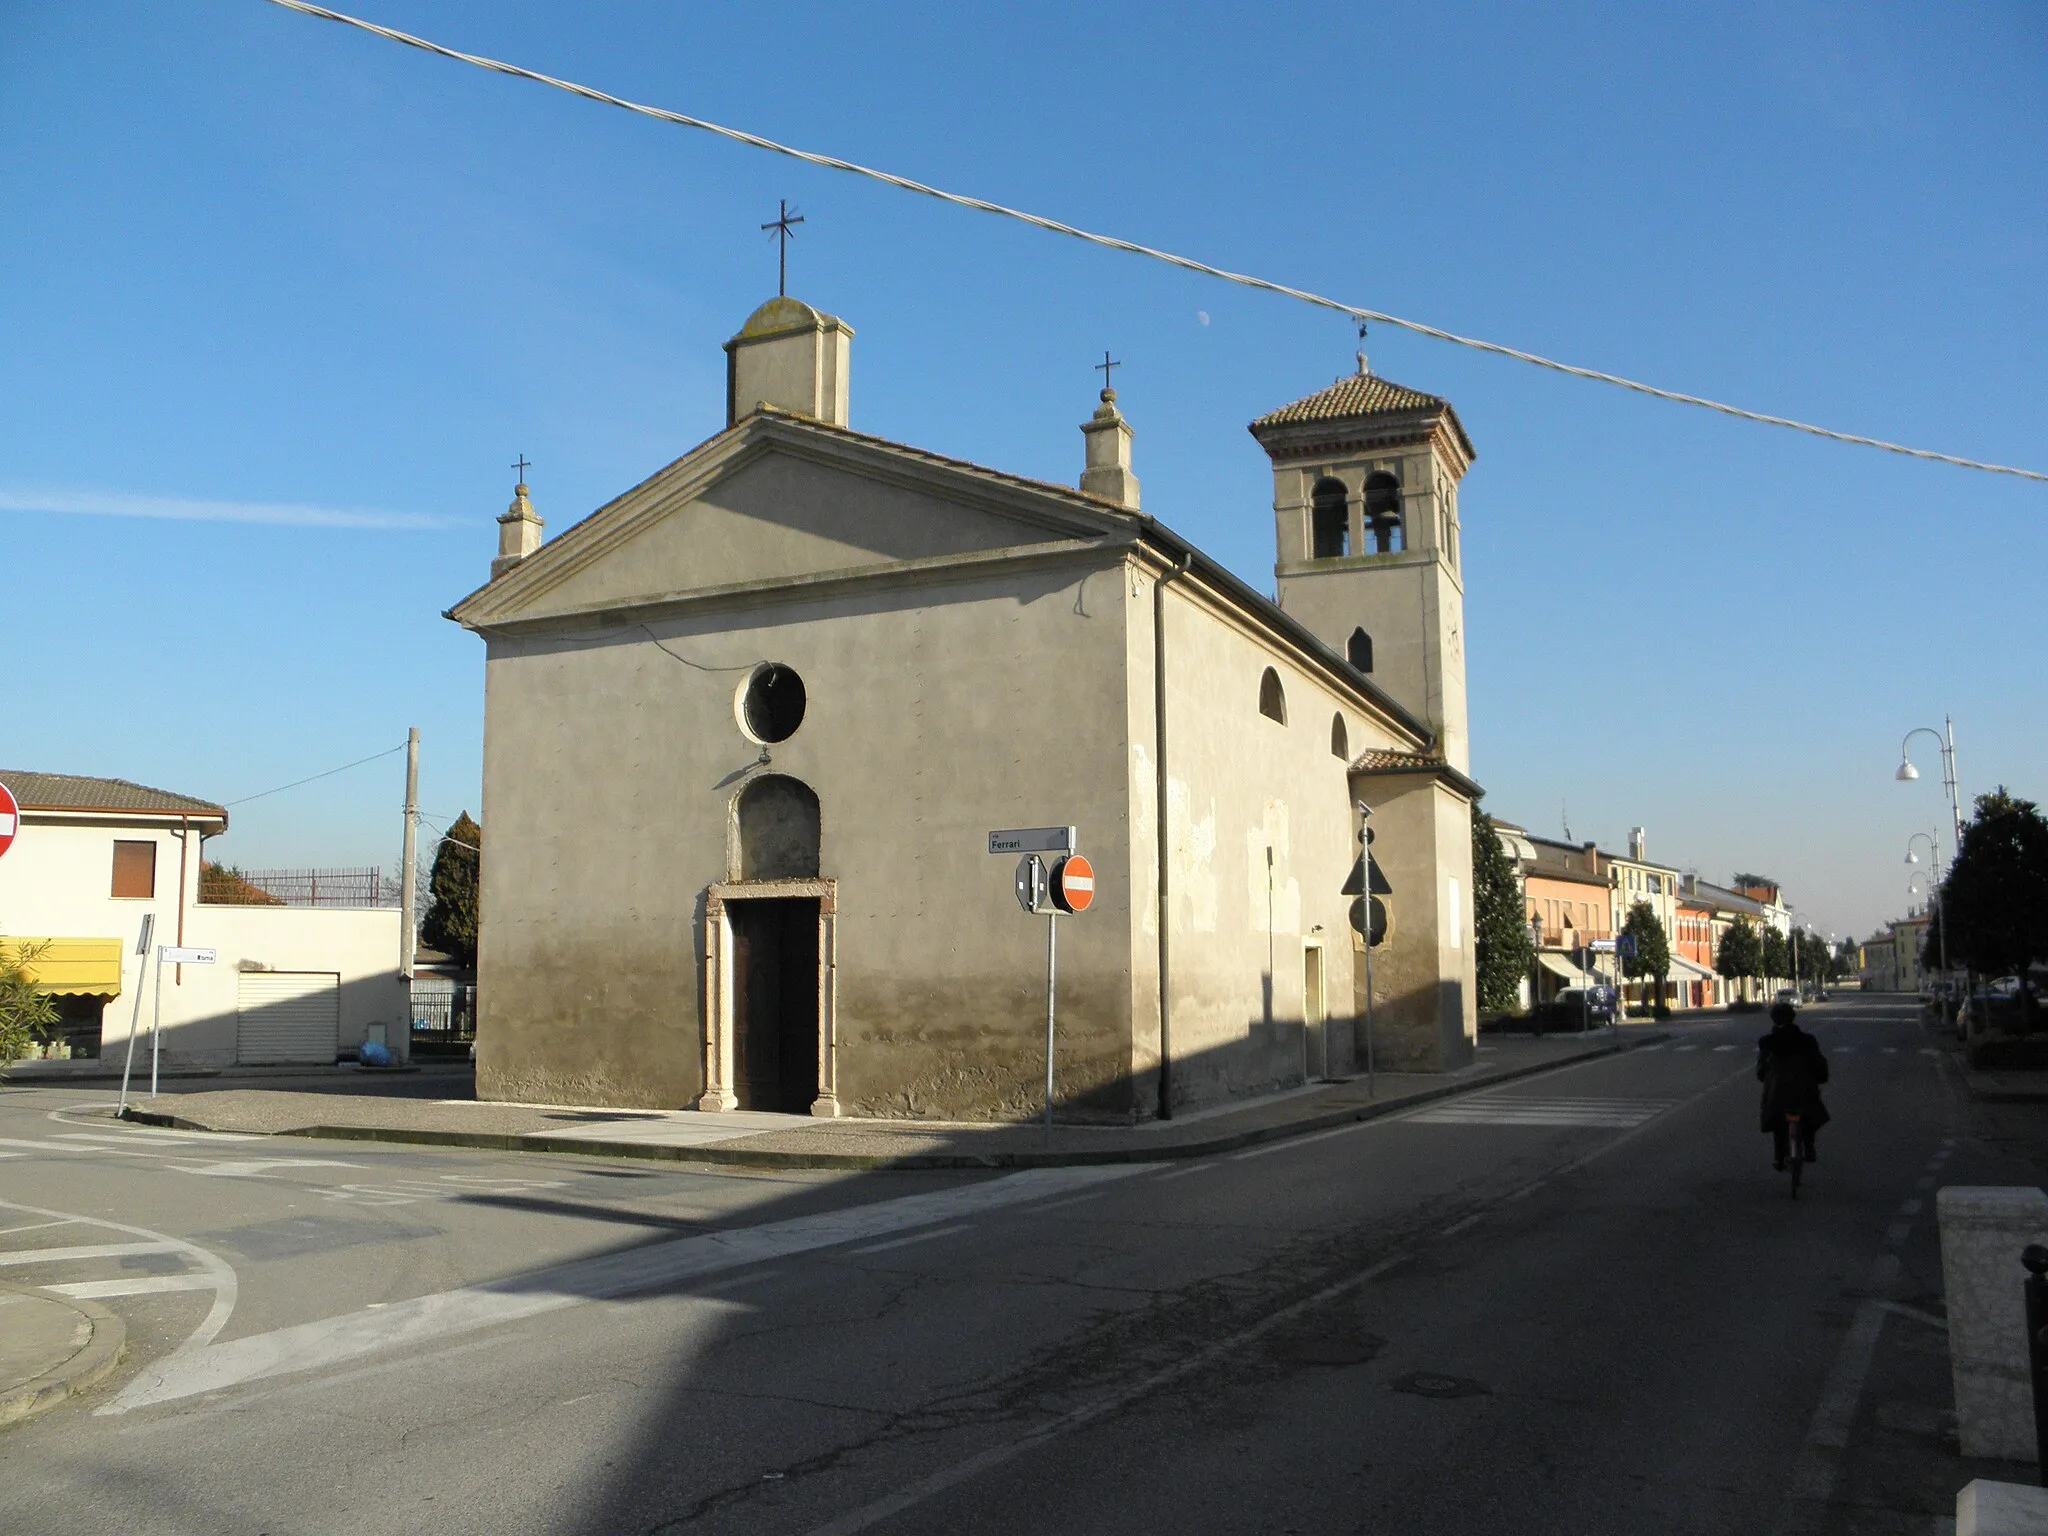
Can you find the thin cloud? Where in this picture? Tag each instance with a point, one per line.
(192, 509)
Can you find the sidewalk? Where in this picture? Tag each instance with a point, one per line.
(51, 1348)
(755, 1140)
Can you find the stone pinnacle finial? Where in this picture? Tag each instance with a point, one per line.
(1107, 473)
(518, 528)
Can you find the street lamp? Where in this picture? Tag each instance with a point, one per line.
(1934, 895)
(1946, 738)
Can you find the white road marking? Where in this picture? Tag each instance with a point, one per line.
(1891, 1050)
(37, 1226)
(412, 1323)
(260, 1167)
(58, 1146)
(87, 1251)
(1724, 1048)
(1928, 1050)
(1845, 1050)
(915, 1237)
(1685, 1048)
(1897, 1233)
(220, 1273)
(134, 1285)
(1504, 1109)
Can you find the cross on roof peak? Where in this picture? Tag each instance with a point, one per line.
(523, 464)
(1103, 367)
(784, 224)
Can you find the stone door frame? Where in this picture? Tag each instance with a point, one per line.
(719, 1076)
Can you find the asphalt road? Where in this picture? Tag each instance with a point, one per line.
(1582, 1302)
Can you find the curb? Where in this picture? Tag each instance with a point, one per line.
(735, 1157)
(106, 1342)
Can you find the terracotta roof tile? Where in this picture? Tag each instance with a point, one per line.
(1378, 760)
(76, 792)
(1362, 394)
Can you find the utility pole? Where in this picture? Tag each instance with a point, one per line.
(408, 886)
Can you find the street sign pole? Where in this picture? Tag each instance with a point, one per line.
(1052, 971)
(135, 1018)
(156, 1023)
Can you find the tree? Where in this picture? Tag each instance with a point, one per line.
(1652, 958)
(1810, 953)
(1741, 954)
(1775, 959)
(1503, 951)
(225, 885)
(26, 1010)
(1995, 899)
(451, 920)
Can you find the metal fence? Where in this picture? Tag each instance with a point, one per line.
(300, 888)
(443, 1014)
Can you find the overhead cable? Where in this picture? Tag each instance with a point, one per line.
(330, 773)
(1132, 247)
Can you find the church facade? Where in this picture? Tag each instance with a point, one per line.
(749, 725)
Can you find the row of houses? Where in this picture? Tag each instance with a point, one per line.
(1893, 961)
(1577, 896)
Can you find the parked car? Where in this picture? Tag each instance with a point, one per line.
(1575, 1007)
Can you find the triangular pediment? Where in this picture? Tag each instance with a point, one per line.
(774, 500)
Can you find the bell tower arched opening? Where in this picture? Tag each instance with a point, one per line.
(1330, 520)
(1383, 530)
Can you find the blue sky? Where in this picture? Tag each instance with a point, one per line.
(299, 296)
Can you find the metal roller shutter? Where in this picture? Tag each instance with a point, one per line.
(288, 1016)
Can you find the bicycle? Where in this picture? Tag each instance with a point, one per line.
(1795, 1156)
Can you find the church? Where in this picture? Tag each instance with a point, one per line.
(749, 725)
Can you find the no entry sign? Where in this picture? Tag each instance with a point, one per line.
(1073, 884)
(10, 818)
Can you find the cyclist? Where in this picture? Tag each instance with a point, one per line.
(1791, 1067)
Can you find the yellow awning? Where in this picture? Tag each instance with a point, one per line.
(90, 966)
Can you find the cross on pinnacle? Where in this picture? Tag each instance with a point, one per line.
(784, 226)
(523, 466)
(1103, 368)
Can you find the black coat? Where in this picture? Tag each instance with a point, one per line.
(1791, 1067)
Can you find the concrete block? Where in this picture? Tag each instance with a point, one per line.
(1986, 1508)
(1983, 1230)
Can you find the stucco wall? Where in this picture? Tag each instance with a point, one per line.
(936, 713)
(56, 882)
(1239, 783)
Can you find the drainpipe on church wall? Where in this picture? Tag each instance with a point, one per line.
(1162, 847)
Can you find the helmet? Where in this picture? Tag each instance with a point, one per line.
(1783, 1012)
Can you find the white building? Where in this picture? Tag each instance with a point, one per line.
(94, 857)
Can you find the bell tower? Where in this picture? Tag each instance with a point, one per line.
(1365, 502)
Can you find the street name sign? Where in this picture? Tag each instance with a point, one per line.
(1032, 840)
(1073, 884)
(10, 818)
(172, 954)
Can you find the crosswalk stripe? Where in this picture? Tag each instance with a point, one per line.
(134, 1285)
(86, 1251)
(1891, 1050)
(1685, 1048)
(1505, 1109)
(1724, 1047)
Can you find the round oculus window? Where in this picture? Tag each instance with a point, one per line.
(772, 703)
